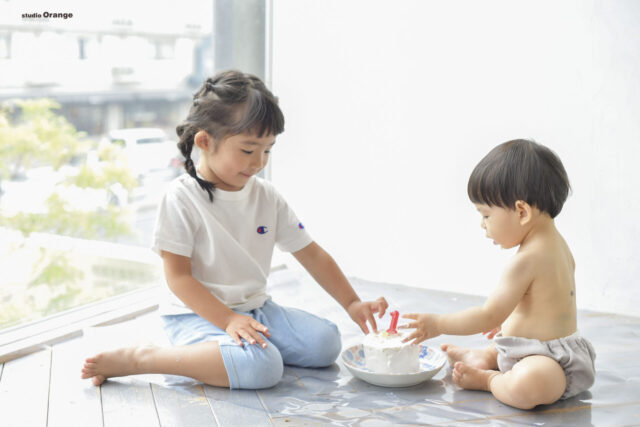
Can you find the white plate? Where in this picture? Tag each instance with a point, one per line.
(431, 361)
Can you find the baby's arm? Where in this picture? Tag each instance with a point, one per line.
(177, 270)
(513, 284)
(326, 272)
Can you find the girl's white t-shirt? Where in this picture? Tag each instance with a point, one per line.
(230, 241)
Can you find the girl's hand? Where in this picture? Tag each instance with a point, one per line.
(425, 325)
(492, 333)
(246, 327)
(361, 312)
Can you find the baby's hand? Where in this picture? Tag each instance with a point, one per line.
(492, 333)
(425, 326)
(246, 327)
(361, 312)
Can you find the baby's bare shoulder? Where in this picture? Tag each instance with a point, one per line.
(526, 259)
(522, 267)
(543, 260)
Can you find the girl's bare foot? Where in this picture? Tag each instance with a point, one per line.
(471, 378)
(115, 363)
(485, 358)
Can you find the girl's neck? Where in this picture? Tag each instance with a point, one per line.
(206, 173)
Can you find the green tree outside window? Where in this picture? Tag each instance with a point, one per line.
(33, 135)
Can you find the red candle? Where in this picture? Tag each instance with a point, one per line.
(394, 322)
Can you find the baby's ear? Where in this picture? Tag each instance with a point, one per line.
(524, 211)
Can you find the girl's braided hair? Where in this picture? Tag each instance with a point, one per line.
(229, 103)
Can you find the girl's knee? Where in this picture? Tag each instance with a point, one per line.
(262, 368)
(326, 346)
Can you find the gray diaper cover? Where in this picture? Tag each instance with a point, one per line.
(574, 354)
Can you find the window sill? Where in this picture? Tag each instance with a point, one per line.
(24, 339)
(28, 338)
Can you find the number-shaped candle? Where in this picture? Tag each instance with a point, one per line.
(394, 322)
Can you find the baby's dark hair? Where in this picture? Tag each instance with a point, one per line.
(520, 170)
(229, 103)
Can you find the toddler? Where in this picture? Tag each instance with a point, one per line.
(537, 356)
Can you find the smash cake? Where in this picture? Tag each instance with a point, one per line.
(385, 353)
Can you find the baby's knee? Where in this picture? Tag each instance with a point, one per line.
(263, 368)
(530, 389)
(326, 346)
(521, 392)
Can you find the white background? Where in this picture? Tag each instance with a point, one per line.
(390, 104)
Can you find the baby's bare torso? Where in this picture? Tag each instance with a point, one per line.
(548, 308)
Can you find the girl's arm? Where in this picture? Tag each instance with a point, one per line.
(512, 286)
(177, 270)
(326, 272)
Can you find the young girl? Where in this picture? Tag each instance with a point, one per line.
(216, 229)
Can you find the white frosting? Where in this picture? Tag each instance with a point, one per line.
(385, 353)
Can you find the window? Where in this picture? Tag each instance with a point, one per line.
(5, 46)
(88, 143)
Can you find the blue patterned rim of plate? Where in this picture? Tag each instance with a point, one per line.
(429, 359)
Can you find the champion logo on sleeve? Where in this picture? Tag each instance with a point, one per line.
(262, 229)
(300, 226)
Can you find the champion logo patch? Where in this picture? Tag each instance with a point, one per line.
(300, 226)
(262, 229)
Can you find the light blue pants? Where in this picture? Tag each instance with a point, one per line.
(297, 338)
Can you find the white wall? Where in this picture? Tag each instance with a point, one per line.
(390, 104)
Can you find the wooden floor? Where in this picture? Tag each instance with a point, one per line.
(45, 389)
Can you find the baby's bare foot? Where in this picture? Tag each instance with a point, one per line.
(471, 378)
(98, 379)
(115, 363)
(477, 358)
